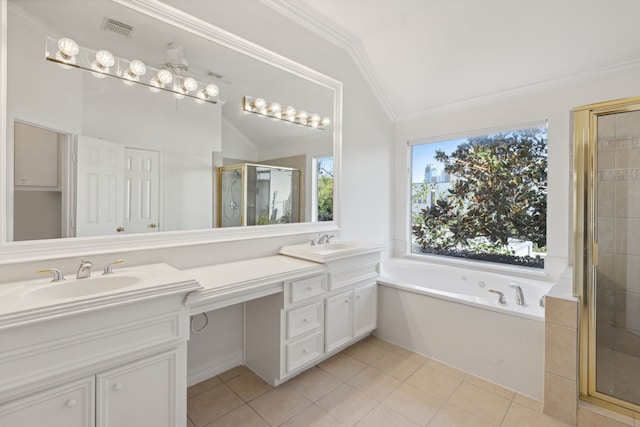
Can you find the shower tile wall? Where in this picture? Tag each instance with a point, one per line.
(618, 273)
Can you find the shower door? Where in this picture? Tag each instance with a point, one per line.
(608, 243)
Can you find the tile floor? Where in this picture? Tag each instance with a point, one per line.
(372, 383)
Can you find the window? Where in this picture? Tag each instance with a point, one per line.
(324, 188)
(482, 197)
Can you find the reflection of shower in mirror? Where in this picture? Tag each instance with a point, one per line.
(231, 195)
(254, 194)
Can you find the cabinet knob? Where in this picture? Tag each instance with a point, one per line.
(118, 386)
(153, 225)
(70, 403)
(304, 350)
(346, 301)
(305, 320)
(309, 288)
(120, 229)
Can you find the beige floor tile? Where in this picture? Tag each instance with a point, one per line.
(521, 416)
(189, 423)
(385, 345)
(234, 372)
(278, 405)
(203, 386)
(486, 405)
(374, 383)
(242, 416)
(249, 386)
(314, 383)
(313, 416)
(413, 403)
(347, 404)
(449, 370)
(434, 382)
(450, 416)
(342, 366)
(417, 357)
(365, 351)
(529, 402)
(489, 386)
(385, 417)
(397, 365)
(211, 404)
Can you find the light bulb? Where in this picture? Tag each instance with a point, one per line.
(290, 113)
(105, 59)
(211, 90)
(326, 121)
(164, 77)
(136, 69)
(315, 118)
(68, 48)
(189, 85)
(259, 104)
(303, 116)
(275, 108)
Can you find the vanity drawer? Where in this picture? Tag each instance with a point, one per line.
(304, 319)
(300, 290)
(304, 351)
(353, 275)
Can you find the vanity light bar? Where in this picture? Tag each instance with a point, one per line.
(102, 63)
(288, 114)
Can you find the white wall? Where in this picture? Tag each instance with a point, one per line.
(553, 102)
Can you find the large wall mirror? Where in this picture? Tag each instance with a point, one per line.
(93, 162)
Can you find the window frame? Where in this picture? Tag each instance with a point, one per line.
(482, 265)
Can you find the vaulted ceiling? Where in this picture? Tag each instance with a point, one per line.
(426, 55)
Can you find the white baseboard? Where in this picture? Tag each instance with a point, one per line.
(215, 367)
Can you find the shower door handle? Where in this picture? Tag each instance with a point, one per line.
(594, 254)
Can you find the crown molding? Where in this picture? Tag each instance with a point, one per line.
(528, 89)
(339, 37)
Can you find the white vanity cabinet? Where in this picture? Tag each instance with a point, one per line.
(116, 360)
(138, 394)
(68, 405)
(285, 332)
(351, 303)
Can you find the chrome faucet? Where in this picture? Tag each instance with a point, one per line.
(108, 269)
(325, 238)
(84, 270)
(57, 274)
(519, 294)
(501, 298)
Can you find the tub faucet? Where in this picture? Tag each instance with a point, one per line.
(519, 294)
(501, 298)
(84, 270)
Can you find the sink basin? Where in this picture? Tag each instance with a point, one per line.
(83, 287)
(328, 251)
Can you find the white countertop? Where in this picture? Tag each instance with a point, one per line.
(234, 282)
(20, 304)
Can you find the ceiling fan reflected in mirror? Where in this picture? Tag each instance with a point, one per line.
(176, 62)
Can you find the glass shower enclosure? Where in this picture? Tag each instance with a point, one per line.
(607, 248)
(254, 194)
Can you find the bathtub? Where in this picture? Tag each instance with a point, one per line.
(448, 314)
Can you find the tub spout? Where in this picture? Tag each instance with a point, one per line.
(501, 298)
(519, 294)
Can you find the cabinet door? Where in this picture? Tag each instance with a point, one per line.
(140, 394)
(70, 405)
(365, 309)
(339, 320)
